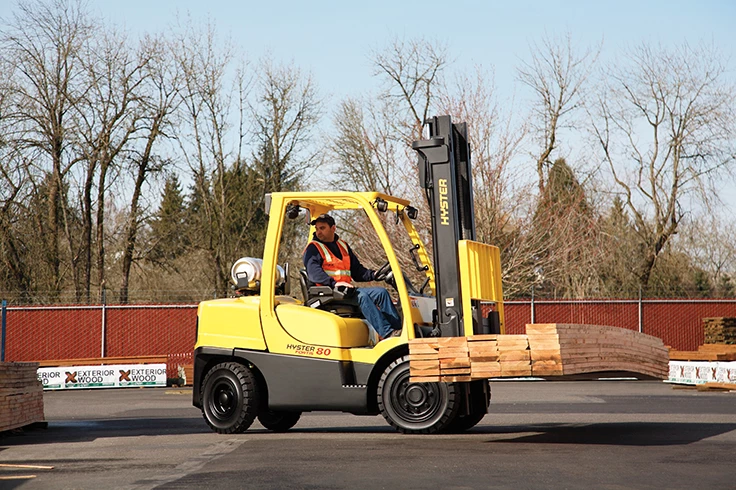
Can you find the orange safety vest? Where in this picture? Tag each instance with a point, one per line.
(338, 269)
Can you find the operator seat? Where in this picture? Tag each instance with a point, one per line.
(327, 299)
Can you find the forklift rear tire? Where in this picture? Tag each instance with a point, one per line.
(415, 408)
(229, 398)
(278, 421)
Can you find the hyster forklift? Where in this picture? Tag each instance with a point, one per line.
(265, 354)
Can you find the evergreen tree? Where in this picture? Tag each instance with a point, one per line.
(565, 227)
(169, 236)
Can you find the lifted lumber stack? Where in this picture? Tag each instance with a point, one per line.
(546, 350)
(594, 348)
(21, 395)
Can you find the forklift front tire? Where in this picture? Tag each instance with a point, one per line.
(415, 408)
(229, 398)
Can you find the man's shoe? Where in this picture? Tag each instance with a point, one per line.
(395, 333)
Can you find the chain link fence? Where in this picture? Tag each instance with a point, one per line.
(59, 332)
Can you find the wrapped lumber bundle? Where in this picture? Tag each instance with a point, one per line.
(545, 350)
(720, 330)
(21, 395)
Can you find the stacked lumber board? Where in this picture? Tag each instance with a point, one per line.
(21, 395)
(546, 350)
(720, 330)
(595, 348)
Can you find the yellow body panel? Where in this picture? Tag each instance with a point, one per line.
(480, 277)
(230, 323)
(317, 327)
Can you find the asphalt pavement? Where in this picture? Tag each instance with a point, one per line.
(584, 434)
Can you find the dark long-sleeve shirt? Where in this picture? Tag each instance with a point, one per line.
(313, 263)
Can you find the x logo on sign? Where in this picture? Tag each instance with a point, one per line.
(71, 377)
(124, 375)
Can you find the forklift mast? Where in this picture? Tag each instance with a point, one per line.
(445, 174)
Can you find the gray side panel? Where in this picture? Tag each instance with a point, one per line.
(304, 384)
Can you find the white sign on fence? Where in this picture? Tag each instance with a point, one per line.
(112, 376)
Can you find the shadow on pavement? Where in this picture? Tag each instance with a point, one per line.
(80, 431)
(615, 434)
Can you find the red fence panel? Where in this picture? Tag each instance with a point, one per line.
(149, 330)
(37, 333)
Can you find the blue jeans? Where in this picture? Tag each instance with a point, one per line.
(379, 310)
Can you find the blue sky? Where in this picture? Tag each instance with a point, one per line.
(332, 39)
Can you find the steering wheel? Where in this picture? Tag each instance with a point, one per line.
(383, 272)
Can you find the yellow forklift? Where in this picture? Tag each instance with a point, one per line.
(265, 354)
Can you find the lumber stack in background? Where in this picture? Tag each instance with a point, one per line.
(546, 350)
(720, 330)
(21, 395)
(706, 352)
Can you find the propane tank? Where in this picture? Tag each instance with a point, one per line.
(246, 274)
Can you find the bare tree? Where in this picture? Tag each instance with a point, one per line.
(665, 128)
(411, 71)
(158, 99)
(495, 141)
(286, 111)
(557, 74)
(364, 148)
(108, 114)
(710, 243)
(43, 43)
(206, 105)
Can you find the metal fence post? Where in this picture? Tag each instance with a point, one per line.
(641, 313)
(104, 324)
(2, 335)
(532, 305)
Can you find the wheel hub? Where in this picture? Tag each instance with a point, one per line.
(417, 400)
(223, 400)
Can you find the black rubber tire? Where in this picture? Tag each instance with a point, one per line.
(229, 398)
(480, 399)
(415, 408)
(278, 421)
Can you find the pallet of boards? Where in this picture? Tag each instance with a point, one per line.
(21, 395)
(545, 350)
(706, 352)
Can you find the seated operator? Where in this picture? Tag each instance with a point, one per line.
(330, 262)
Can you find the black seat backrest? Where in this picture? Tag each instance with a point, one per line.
(321, 297)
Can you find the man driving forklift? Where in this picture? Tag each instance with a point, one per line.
(330, 261)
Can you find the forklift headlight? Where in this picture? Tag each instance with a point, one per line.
(381, 205)
(411, 212)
